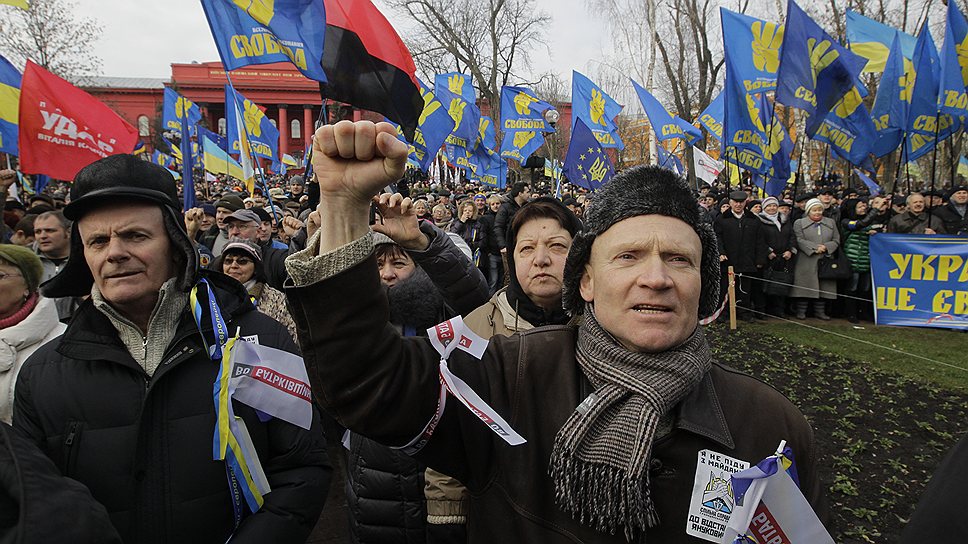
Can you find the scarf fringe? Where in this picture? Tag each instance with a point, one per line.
(601, 496)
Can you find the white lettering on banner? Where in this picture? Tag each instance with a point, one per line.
(442, 338)
(712, 503)
(63, 131)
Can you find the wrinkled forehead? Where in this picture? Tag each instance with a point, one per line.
(653, 231)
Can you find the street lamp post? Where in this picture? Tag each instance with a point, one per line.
(552, 116)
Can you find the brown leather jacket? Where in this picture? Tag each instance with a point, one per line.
(385, 386)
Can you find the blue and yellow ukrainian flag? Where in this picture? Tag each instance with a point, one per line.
(9, 106)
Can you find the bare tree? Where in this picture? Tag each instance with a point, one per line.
(489, 39)
(49, 34)
(691, 69)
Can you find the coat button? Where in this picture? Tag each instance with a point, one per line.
(655, 465)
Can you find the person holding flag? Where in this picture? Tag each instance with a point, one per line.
(610, 425)
(123, 401)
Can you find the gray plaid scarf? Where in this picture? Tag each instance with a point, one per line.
(601, 455)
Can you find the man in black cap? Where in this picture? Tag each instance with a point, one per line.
(620, 414)
(741, 245)
(830, 207)
(798, 203)
(123, 401)
(952, 214)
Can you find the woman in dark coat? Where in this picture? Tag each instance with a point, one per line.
(781, 250)
(857, 224)
(384, 487)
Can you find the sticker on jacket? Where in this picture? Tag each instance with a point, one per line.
(712, 502)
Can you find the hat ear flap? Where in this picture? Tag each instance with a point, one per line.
(75, 279)
(578, 256)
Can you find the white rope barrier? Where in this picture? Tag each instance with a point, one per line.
(855, 339)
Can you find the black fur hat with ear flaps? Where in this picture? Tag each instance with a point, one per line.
(643, 190)
(115, 180)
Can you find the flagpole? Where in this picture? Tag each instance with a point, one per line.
(934, 153)
(823, 173)
(258, 170)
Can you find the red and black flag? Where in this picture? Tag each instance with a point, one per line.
(367, 64)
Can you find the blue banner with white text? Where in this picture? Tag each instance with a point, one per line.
(920, 280)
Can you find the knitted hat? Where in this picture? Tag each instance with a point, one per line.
(644, 190)
(108, 181)
(243, 246)
(27, 261)
(230, 202)
(770, 200)
(811, 203)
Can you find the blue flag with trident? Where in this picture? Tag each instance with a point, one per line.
(815, 71)
(521, 110)
(586, 164)
(598, 110)
(893, 100)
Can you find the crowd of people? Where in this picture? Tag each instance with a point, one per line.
(114, 306)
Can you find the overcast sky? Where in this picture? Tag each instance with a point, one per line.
(142, 39)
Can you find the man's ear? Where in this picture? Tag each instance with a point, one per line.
(587, 285)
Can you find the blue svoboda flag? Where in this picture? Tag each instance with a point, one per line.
(745, 142)
(815, 71)
(849, 130)
(521, 144)
(712, 116)
(892, 102)
(753, 49)
(262, 135)
(177, 108)
(260, 32)
(9, 106)
(598, 110)
(456, 92)
(872, 40)
(925, 125)
(586, 164)
(433, 128)
(954, 64)
(664, 125)
(522, 110)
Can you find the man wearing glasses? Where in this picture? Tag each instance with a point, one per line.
(244, 224)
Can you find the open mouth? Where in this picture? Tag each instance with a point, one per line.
(651, 309)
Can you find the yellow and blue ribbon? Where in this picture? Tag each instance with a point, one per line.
(227, 445)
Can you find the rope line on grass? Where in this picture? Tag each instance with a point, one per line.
(902, 352)
(834, 293)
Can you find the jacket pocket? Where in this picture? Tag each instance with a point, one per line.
(72, 439)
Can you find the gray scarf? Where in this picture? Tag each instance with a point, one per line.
(601, 455)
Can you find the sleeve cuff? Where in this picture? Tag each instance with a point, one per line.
(308, 266)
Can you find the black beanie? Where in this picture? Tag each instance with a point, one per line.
(643, 190)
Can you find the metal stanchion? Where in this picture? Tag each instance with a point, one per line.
(732, 298)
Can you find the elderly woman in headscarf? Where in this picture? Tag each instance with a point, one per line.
(816, 236)
(27, 320)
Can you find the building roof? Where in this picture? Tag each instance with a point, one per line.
(106, 82)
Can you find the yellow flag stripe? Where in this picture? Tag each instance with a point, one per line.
(9, 103)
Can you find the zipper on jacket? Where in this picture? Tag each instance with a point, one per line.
(144, 343)
(70, 454)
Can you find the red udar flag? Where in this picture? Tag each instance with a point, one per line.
(64, 129)
(368, 65)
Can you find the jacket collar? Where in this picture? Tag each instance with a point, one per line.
(91, 336)
(701, 413)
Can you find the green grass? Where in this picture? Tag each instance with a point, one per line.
(943, 346)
